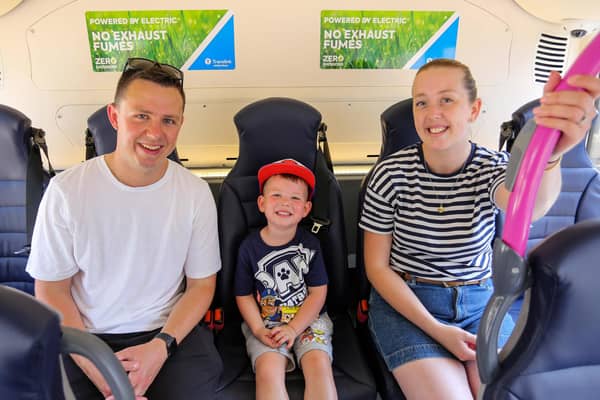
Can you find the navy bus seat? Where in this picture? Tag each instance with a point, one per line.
(556, 353)
(101, 137)
(32, 341)
(269, 130)
(579, 197)
(22, 182)
(397, 131)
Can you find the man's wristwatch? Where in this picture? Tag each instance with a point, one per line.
(169, 341)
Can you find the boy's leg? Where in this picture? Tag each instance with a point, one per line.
(193, 371)
(270, 366)
(318, 375)
(270, 376)
(314, 351)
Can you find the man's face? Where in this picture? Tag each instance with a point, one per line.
(147, 119)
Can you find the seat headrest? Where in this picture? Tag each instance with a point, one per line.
(273, 129)
(555, 352)
(15, 132)
(577, 157)
(397, 128)
(103, 133)
(524, 114)
(566, 287)
(29, 359)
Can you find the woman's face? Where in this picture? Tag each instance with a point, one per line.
(442, 108)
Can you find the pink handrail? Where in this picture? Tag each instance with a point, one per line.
(527, 182)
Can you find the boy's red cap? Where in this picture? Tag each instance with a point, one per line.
(287, 166)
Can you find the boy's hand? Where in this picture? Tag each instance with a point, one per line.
(265, 335)
(284, 334)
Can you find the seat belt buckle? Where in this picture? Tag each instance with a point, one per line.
(39, 137)
(218, 319)
(24, 251)
(362, 313)
(208, 319)
(317, 224)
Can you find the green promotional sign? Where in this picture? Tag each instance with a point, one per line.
(187, 39)
(352, 39)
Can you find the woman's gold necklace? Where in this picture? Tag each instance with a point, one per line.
(441, 208)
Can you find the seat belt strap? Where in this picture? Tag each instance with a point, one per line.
(34, 185)
(324, 145)
(507, 135)
(39, 139)
(323, 168)
(90, 145)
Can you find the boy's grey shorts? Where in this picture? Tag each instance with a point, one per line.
(316, 337)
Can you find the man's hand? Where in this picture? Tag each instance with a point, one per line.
(142, 363)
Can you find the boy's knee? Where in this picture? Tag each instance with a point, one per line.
(270, 366)
(269, 375)
(316, 360)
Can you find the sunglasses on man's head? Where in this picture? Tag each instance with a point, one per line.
(142, 64)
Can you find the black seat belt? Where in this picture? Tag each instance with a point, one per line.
(34, 186)
(323, 168)
(507, 135)
(90, 145)
(324, 145)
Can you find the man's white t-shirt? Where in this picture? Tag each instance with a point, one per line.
(128, 249)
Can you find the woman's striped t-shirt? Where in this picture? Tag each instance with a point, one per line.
(403, 199)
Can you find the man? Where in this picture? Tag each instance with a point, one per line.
(125, 246)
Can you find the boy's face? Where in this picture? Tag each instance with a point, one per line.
(284, 201)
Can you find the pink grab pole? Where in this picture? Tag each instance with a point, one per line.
(527, 182)
(510, 269)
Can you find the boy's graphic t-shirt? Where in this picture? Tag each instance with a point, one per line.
(279, 276)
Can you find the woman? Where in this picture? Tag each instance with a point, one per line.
(428, 218)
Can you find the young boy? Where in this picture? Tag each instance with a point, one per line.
(282, 265)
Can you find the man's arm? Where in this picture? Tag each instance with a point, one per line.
(143, 362)
(57, 294)
(191, 307)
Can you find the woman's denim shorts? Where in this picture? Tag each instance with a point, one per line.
(400, 341)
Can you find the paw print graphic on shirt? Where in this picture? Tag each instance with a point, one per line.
(284, 274)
